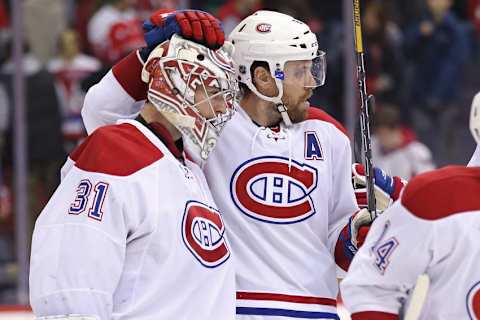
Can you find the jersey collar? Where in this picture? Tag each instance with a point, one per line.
(175, 147)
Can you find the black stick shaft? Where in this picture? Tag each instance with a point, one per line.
(366, 103)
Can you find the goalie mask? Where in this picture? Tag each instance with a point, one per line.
(277, 38)
(194, 88)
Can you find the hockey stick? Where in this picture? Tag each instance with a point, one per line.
(417, 299)
(367, 102)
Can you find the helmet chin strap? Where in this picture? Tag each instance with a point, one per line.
(283, 112)
(281, 107)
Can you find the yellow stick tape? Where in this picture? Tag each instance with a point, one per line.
(357, 26)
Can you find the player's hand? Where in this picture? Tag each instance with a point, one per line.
(359, 225)
(353, 235)
(387, 188)
(194, 25)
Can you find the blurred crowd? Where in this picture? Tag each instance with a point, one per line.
(421, 62)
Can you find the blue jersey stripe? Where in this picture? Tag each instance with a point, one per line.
(287, 313)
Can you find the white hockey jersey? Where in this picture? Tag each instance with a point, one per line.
(131, 233)
(434, 229)
(475, 161)
(285, 195)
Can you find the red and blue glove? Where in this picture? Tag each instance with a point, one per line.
(194, 25)
(387, 188)
(352, 236)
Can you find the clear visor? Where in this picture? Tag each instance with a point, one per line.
(308, 73)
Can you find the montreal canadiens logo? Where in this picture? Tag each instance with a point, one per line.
(266, 189)
(473, 302)
(264, 27)
(203, 233)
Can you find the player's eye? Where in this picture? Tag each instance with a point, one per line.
(301, 72)
(213, 91)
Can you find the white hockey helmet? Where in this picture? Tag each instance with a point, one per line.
(275, 38)
(174, 71)
(475, 118)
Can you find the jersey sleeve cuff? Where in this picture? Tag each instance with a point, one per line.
(128, 73)
(344, 250)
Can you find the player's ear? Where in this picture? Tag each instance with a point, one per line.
(263, 80)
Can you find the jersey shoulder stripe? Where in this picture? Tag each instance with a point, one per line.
(444, 192)
(315, 113)
(118, 150)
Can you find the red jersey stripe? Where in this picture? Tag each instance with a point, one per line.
(285, 298)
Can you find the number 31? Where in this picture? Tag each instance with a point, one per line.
(79, 205)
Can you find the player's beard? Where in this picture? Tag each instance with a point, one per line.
(298, 111)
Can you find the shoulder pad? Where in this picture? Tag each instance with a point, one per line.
(315, 113)
(443, 192)
(118, 150)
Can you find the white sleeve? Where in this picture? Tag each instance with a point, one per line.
(342, 202)
(78, 246)
(396, 251)
(119, 95)
(106, 102)
(65, 169)
(475, 161)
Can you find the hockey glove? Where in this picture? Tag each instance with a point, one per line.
(194, 25)
(387, 188)
(354, 233)
(352, 237)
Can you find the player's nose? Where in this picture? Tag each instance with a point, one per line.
(219, 106)
(310, 81)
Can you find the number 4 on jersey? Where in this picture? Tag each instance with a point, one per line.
(82, 198)
(383, 253)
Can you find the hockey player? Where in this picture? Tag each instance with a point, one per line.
(280, 173)
(433, 229)
(395, 148)
(132, 232)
